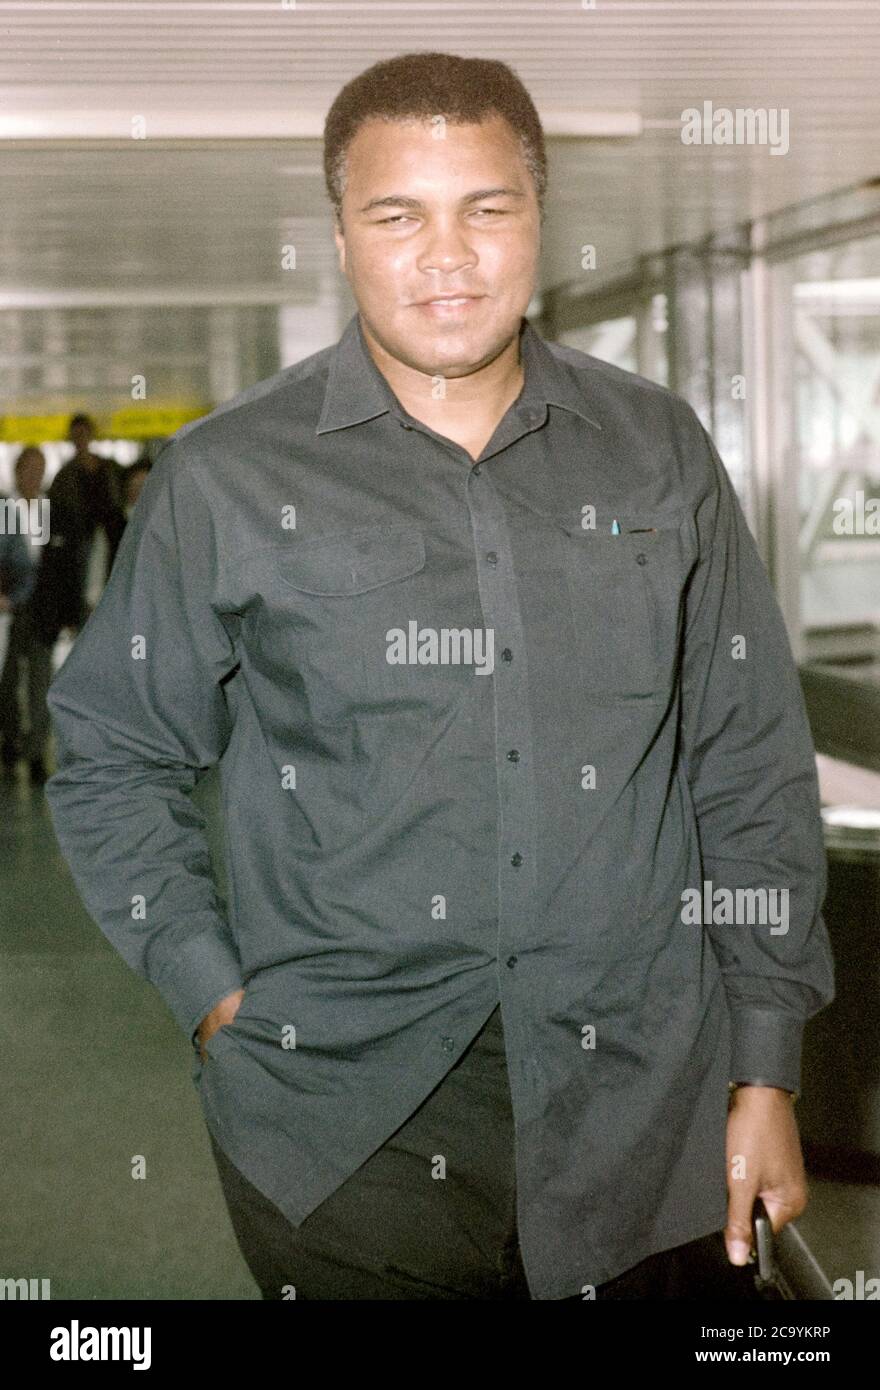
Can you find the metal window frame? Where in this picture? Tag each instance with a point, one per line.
(775, 461)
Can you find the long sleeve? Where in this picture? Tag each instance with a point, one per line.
(139, 711)
(751, 768)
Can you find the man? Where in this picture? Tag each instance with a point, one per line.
(26, 653)
(476, 631)
(87, 521)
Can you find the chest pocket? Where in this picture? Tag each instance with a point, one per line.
(327, 606)
(626, 594)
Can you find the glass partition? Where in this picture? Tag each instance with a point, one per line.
(829, 302)
(635, 341)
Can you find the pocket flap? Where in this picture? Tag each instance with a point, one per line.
(645, 537)
(354, 563)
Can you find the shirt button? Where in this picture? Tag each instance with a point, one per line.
(513, 755)
(507, 654)
(448, 1044)
(492, 557)
(405, 425)
(641, 559)
(511, 961)
(516, 859)
(476, 469)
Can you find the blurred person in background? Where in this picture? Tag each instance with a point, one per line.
(25, 652)
(87, 521)
(133, 480)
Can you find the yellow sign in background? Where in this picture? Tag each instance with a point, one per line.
(137, 420)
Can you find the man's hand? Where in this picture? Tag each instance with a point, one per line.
(764, 1160)
(224, 1012)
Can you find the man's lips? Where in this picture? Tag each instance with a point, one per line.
(448, 297)
(446, 306)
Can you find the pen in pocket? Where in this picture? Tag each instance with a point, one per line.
(633, 531)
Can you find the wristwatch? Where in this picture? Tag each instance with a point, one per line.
(732, 1085)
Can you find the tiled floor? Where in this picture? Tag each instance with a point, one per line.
(95, 1073)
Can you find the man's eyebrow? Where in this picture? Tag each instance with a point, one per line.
(398, 200)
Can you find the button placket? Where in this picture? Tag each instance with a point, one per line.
(514, 764)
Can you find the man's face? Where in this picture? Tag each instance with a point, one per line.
(420, 219)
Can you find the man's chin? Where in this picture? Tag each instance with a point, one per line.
(453, 355)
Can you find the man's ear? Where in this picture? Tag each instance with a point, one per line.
(339, 238)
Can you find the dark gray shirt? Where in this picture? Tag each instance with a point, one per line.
(606, 716)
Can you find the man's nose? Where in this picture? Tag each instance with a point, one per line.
(447, 249)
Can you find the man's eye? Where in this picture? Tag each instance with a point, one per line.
(402, 216)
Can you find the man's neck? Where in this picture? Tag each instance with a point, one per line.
(470, 407)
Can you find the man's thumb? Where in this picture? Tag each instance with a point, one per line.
(738, 1231)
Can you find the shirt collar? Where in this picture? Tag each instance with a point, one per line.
(357, 391)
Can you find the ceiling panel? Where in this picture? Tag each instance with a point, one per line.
(199, 212)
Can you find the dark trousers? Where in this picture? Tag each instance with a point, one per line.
(393, 1231)
(25, 649)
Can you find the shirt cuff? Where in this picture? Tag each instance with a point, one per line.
(203, 971)
(765, 1047)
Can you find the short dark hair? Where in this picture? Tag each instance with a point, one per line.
(81, 420)
(418, 86)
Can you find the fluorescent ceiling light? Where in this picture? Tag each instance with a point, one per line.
(166, 118)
